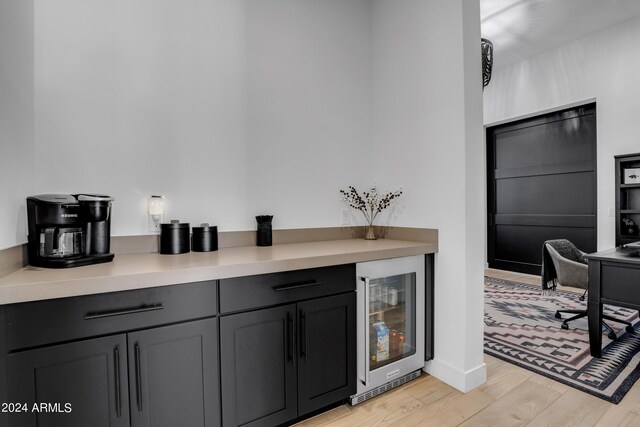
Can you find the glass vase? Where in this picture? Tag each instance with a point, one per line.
(369, 233)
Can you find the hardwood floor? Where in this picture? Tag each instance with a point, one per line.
(512, 396)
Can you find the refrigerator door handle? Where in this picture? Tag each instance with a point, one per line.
(363, 285)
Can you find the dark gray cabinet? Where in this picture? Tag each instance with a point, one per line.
(283, 347)
(165, 376)
(138, 375)
(285, 361)
(87, 381)
(173, 375)
(326, 360)
(258, 367)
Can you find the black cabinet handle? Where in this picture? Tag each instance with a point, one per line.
(116, 362)
(297, 285)
(303, 334)
(289, 337)
(138, 378)
(119, 312)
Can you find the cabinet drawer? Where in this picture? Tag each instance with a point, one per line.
(243, 293)
(37, 323)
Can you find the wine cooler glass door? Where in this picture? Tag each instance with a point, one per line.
(391, 319)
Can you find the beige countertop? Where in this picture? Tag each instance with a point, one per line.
(144, 270)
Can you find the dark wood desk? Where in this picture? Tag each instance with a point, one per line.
(614, 278)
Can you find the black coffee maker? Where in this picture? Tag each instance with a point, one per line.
(69, 230)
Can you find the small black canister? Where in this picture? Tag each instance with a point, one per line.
(174, 237)
(263, 237)
(204, 238)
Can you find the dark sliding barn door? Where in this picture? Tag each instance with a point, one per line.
(541, 185)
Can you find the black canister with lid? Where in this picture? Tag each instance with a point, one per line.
(174, 237)
(204, 238)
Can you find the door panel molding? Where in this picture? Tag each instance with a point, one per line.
(558, 169)
(575, 221)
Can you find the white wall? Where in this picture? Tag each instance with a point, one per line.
(16, 118)
(134, 98)
(308, 108)
(604, 66)
(228, 108)
(427, 137)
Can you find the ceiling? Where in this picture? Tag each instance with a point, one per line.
(520, 29)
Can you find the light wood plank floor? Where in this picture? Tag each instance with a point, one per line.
(512, 396)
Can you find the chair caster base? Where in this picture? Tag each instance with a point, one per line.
(612, 336)
(629, 329)
(558, 315)
(564, 325)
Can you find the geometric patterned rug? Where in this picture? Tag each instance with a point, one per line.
(521, 328)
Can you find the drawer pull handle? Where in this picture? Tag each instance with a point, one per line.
(298, 285)
(100, 314)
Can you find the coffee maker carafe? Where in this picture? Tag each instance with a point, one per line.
(69, 230)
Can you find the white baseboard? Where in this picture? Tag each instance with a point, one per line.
(463, 381)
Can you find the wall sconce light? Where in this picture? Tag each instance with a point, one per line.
(155, 206)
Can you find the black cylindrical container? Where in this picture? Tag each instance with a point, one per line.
(174, 238)
(263, 237)
(99, 242)
(204, 238)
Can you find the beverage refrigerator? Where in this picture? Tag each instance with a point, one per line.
(390, 324)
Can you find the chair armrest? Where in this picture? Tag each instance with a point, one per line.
(570, 263)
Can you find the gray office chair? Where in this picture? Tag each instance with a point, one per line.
(571, 269)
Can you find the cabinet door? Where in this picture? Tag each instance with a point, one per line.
(86, 378)
(173, 376)
(327, 351)
(257, 359)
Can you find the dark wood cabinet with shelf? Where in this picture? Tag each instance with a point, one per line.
(627, 200)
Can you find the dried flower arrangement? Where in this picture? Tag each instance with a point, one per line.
(370, 204)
